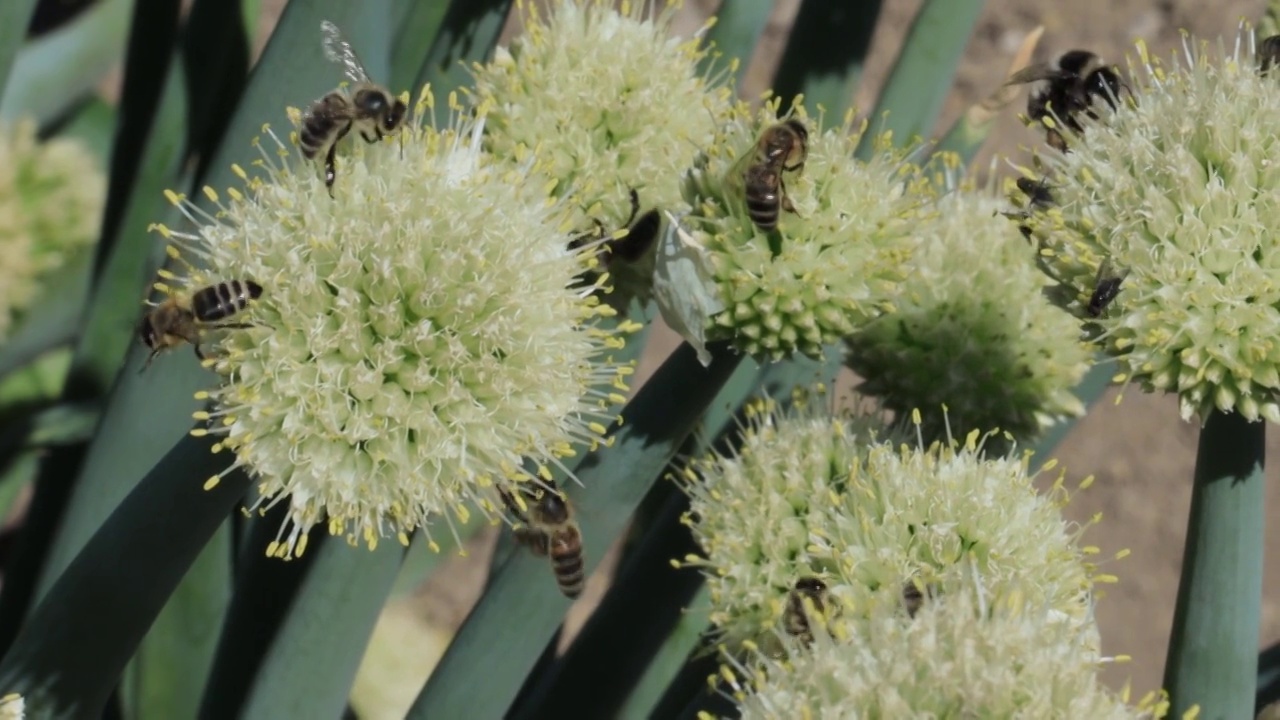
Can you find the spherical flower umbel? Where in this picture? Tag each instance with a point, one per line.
(809, 495)
(611, 103)
(51, 198)
(416, 340)
(1176, 196)
(971, 329)
(830, 265)
(972, 654)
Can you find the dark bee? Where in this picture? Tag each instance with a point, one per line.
(913, 597)
(1106, 288)
(1037, 191)
(782, 147)
(640, 237)
(369, 108)
(1072, 84)
(795, 620)
(180, 320)
(1268, 53)
(549, 530)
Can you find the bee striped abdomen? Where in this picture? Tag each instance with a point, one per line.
(223, 300)
(319, 126)
(566, 560)
(763, 209)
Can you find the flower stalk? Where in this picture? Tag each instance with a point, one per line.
(1212, 659)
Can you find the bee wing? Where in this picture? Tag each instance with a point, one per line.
(338, 50)
(1034, 73)
(1107, 271)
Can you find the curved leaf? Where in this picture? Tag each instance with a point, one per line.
(825, 54)
(921, 78)
(468, 34)
(739, 25)
(15, 16)
(71, 653)
(148, 413)
(53, 72)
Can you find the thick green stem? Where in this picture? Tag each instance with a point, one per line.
(1213, 651)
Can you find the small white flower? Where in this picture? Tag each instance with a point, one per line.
(609, 102)
(418, 338)
(839, 499)
(1175, 194)
(971, 329)
(969, 654)
(51, 198)
(830, 266)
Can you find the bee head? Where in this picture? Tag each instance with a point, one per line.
(639, 238)
(394, 115)
(553, 508)
(810, 585)
(1104, 83)
(799, 129)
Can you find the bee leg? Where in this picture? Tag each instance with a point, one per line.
(794, 168)
(330, 170)
(786, 199)
(371, 140)
(635, 208)
(150, 357)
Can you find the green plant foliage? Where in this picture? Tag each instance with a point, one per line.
(135, 592)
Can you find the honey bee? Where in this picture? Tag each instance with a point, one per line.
(366, 107)
(795, 620)
(179, 319)
(1106, 288)
(913, 597)
(1073, 82)
(782, 147)
(1268, 53)
(549, 530)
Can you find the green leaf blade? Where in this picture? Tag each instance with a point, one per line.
(922, 76)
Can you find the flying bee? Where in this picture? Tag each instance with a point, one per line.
(366, 107)
(180, 319)
(1268, 53)
(782, 147)
(549, 530)
(1072, 84)
(796, 618)
(1105, 289)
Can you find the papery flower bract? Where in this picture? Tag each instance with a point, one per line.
(51, 198)
(13, 707)
(609, 102)
(972, 330)
(1177, 191)
(809, 495)
(964, 655)
(418, 336)
(830, 265)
